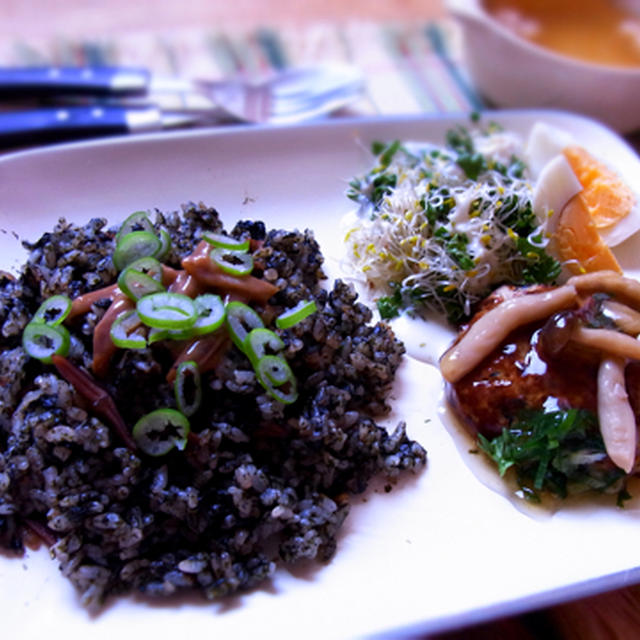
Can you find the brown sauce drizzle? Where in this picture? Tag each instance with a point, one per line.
(103, 347)
(82, 304)
(199, 275)
(203, 269)
(187, 285)
(205, 350)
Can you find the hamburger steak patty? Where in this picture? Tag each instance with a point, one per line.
(524, 373)
(532, 403)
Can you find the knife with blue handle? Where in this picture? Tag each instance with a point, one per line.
(39, 82)
(56, 124)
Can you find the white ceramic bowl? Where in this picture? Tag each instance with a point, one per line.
(512, 72)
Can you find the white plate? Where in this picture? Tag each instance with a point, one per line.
(441, 551)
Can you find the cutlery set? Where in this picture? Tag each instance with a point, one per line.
(47, 104)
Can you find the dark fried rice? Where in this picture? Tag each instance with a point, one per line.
(267, 482)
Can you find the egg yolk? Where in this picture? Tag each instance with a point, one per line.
(578, 242)
(602, 203)
(607, 197)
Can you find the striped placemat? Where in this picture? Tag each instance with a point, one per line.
(409, 68)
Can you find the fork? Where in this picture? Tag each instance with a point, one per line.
(285, 97)
(108, 100)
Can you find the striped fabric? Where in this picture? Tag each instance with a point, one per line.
(409, 68)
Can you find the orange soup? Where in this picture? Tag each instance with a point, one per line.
(600, 31)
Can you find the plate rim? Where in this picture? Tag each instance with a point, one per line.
(568, 592)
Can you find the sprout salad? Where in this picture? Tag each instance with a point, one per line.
(439, 227)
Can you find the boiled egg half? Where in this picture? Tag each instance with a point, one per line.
(584, 205)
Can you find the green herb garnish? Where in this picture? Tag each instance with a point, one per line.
(560, 451)
(389, 306)
(539, 266)
(455, 245)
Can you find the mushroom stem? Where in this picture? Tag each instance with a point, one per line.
(625, 289)
(615, 415)
(624, 317)
(609, 341)
(484, 335)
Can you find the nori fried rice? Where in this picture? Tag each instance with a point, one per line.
(259, 482)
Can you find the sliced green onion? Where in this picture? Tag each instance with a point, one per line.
(133, 246)
(187, 388)
(165, 245)
(138, 221)
(41, 341)
(241, 318)
(149, 266)
(53, 310)
(136, 284)
(275, 375)
(156, 335)
(221, 241)
(160, 431)
(296, 314)
(167, 310)
(258, 341)
(237, 263)
(211, 313)
(125, 331)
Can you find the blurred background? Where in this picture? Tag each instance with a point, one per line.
(402, 46)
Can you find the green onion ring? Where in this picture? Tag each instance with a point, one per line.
(53, 310)
(210, 316)
(188, 371)
(275, 375)
(137, 221)
(166, 310)
(221, 241)
(124, 331)
(41, 341)
(236, 263)
(258, 341)
(137, 284)
(296, 314)
(211, 313)
(160, 431)
(165, 245)
(133, 246)
(148, 265)
(241, 318)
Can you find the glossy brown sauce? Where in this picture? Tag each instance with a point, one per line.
(598, 31)
(518, 375)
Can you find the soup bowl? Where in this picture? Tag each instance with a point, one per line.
(510, 71)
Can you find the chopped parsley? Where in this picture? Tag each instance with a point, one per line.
(389, 306)
(560, 452)
(455, 244)
(538, 266)
(468, 159)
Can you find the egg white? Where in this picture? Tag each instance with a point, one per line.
(555, 182)
(543, 145)
(556, 185)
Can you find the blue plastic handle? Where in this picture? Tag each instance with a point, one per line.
(24, 82)
(19, 128)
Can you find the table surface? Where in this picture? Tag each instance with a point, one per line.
(30, 27)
